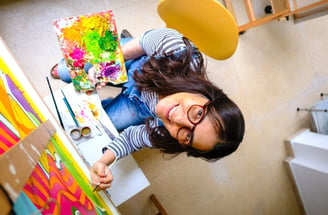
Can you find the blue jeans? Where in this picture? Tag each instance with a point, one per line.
(63, 72)
(124, 110)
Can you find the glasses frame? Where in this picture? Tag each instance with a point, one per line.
(204, 107)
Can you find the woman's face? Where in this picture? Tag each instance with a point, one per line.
(173, 110)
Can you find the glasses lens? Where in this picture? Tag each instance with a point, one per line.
(184, 136)
(196, 113)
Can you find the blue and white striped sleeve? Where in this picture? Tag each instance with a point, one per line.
(130, 140)
(161, 41)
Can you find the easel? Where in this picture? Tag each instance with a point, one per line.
(280, 9)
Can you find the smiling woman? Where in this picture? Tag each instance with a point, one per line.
(180, 87)
(175, 108)
(169, 104)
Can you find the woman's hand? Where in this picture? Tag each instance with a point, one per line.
(92, 78)
(97, 172)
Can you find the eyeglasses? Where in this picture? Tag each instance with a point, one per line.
(195, 114)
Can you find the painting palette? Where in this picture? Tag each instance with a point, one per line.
(91, 39)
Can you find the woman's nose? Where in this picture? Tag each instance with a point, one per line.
(182, 120)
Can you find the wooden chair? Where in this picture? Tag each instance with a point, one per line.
(158, 205)
(279, 10)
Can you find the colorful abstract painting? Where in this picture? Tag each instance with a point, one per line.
(91, 39)
(58, 184)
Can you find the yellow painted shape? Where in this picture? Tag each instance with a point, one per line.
(5, 69)
(23, 121)
(9, 112)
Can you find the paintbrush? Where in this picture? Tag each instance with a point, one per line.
(53, 98)
(107, 171)
(70, 110)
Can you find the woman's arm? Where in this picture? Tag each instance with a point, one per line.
(153, 42)
(132, 49)
(160, 42)
(130, 140)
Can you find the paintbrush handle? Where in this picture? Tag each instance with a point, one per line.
(54, 100)
(70, 110)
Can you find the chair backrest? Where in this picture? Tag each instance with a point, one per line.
(207, 23)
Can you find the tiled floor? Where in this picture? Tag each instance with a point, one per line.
(277, 67)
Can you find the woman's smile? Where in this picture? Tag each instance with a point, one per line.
(170, 112)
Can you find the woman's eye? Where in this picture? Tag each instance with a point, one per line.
(184, 135)
(188, 136)
(199, 114)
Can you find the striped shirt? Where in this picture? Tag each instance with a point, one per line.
(162, 41)
(135, 137)
(155, 43)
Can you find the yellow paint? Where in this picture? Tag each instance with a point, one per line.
(94, 23)
(5, 69)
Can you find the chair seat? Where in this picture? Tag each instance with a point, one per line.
(207, 23)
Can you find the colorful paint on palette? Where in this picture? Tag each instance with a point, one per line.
(91, 39)
(57, 184)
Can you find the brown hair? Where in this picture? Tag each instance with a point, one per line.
(180, 73)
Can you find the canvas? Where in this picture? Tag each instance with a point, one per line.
(59, 183)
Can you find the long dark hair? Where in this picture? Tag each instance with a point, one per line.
(175, 73)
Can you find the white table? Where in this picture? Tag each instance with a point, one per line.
(128, 177)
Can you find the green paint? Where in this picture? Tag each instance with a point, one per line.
(90, 40)
(108, 42)
(100, 49)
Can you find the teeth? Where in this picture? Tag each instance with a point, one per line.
(171, 112)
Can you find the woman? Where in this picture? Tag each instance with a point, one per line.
(169, 104)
